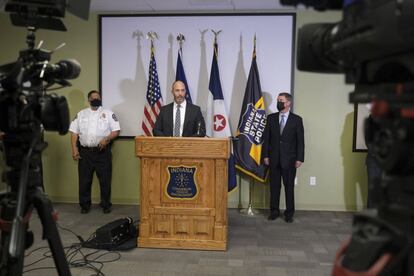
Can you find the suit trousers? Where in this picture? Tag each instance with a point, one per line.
(99, 161)
(277, 173)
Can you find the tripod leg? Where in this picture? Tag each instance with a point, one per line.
(8, 264)
(50, 232)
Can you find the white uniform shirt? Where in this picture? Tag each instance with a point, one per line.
(93, 125)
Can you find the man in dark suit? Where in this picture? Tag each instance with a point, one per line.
(180, 118)
(283, 151)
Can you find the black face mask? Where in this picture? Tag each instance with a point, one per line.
(280, 106)
(96, 102)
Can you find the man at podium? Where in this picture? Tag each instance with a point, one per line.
(180, 118)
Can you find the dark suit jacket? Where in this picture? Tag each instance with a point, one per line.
(194, 124)
(285, 149)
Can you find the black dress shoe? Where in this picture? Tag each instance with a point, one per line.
(289, 219)
(85, 210)
(272, 216)
(106, 210)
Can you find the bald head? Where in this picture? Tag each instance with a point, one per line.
(178, 91)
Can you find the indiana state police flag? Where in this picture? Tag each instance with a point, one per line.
(248, 145)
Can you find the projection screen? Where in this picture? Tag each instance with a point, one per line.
(125, 55)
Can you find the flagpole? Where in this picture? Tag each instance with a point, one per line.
(179, 73)
(250, 211)
(152, 36)
(153, 97)
(240, 205)
(180, 39)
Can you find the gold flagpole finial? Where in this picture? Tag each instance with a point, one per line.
(216, 33)
(152, 36)
(180, 39)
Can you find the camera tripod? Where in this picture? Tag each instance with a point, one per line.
(24, 179)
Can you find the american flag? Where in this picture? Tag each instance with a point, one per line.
(154, 97)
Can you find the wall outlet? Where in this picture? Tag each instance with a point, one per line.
(312, 180)
(296, 180)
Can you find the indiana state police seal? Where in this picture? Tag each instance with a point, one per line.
(181, 183)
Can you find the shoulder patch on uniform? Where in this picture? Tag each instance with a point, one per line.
(114, 117)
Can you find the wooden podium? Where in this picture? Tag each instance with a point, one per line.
(183, 192)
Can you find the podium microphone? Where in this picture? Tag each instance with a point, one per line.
(198, 133)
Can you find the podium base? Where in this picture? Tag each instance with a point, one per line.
(249, 211)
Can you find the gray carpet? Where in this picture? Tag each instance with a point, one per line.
(256, 246)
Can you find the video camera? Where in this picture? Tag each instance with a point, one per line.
(373, 46)
(25, 111)
(24, 82)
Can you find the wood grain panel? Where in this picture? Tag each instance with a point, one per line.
(195, 223)
(183, 211)
(185, 147)
(182, 244)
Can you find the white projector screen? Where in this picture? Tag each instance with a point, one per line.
(125, 55)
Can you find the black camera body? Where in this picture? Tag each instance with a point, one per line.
(23, 97)
(26, 109)
(368, 45)
(373, 46)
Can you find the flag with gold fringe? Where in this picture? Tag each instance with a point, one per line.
(153, 98)
(252, 121)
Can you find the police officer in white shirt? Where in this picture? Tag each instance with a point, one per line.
(92, 130)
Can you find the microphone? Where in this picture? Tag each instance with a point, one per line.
(198, 133)
(64, 69)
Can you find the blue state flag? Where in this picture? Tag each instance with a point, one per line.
(218, 124)
(248, 145)
(180, 75)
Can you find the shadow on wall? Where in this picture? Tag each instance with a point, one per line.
(203, 80)
(267, 97)
(355, 178)
(132, 91)
(239, 89)
(77, 100)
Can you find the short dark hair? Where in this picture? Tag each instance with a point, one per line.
(93, 91)
(287, 95)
